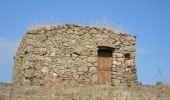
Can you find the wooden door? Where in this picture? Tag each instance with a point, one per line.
(104, 67)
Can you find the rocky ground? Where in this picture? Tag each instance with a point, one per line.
(98, 92)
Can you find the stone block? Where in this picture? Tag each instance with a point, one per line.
(129, 63)
(92, 59)
(118, 55)
(93, 70)
(94, 77)
(45, 70)
(116, 63)
(83, 68)
(117, 43)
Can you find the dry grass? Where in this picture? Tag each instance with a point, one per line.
(98, 92)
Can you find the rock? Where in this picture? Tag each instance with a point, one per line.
(33, 31)
(130, 48)
(116, 63)
(118, 69)
(78, 49)
(53, 54)
(89, 46)
(28, 49)
(28, 57)
(89, 64)
(73, 70)
(93, 70)
(55, 70)
(49, 80)
(117, 43)
(26, 81)
(91, 59)
(70, 32)
(48, 59)
(76, 76)
(75, 54)
(38, 57)
(118, 55)
(55, 75)
(45, 70)
(132, 77)
(49, 28)
(65, 44)
(120, 59)
(93, 31)
(59, 31)
(41, 51)
(114, 66)
(60, 67)
(94, 78)
(83, 69)
(30, 73)
(116, 82)
(27, 65)
(129, 63)
(129, 38)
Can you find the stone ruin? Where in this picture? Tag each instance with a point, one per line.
(75, 54)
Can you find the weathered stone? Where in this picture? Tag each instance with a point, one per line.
(116, 82)
(76, 76)
(130, 48)
(89, 46)
(45, 70)
(73, 70)
(40, 51)
(118, 69)
(91, 59)
(117, 43)
(83, 68)
(93, 31)
(48, 59)
(93, 70)
(120, 59)
(89, 64)
(33, 31)
(94, 78)
(75, 54)
(38, 57)
(26, 81)
(30, 73)
(53, 54)
(129, 63)
(27, 65)
(78, 49)
(49, 80)
(55, 74)
(129, 38)
(118, 55)
(116, 63)
(114, 66)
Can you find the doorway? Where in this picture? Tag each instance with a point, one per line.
(104, 61)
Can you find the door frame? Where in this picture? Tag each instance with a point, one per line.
(104, 72)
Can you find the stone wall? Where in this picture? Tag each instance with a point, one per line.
(67, 54)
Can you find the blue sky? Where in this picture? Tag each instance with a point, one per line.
(149, 20)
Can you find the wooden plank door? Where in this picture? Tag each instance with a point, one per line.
(104, 67)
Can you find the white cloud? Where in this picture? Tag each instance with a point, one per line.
(143, 51)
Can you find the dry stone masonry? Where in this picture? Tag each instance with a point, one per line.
(70, 54)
